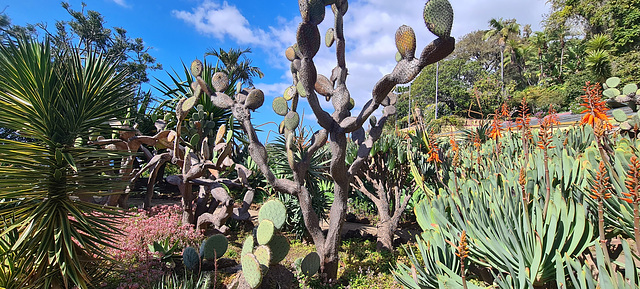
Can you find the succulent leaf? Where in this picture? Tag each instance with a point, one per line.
(438, 16)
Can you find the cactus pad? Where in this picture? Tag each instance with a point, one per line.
(255, 99)
(263, 255)
(290, 53)
(406, 41)
(329, 37)
(279, 248)
(251, 270)
(220, 134)
(214, 247)
(312, 11)
(247, 246)
(323, 85)
(196, 67)
(275, 211)
(280, 106)
(310, 264)
(613, 82)
(611, 92)
(220, 81)
(438, 16)
(630, 88)
(619, 115)
(352, 104)
(190, 258)
(265, 232)
(308, 38)
(281, 127)
(291, 120)
(290, 93)
(373, 120)
(189, 103)
(300, 89)
(398, 56)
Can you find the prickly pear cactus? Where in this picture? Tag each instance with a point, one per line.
(268, 248)
(190, 258)
(438, 16)
(310, 264)
(628, 95)
(214, 247)
(251, 270)
(274, 211)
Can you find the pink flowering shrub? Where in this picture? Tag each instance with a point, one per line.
(136, 267)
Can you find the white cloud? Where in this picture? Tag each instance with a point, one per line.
(122, 3)
(369, 28)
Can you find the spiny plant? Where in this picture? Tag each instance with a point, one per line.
(266, 247)
(336, 126)
(211, 249)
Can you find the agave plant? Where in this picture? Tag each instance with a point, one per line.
(54, 100)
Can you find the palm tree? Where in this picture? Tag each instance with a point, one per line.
(236, 68)
(539, 40)
(503, 29)
(56, 101)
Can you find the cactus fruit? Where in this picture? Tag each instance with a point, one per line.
(255, 99)
(300, 89)
(329, 37)
(291, 120)
(310, 264)
(308, 38)
(263, 255)
(196, 67)
(220, 81)
(251, 270)
(406, 41)
(279, 248)
(438, 16)
(275, 211)
(214, 247)
(290, 53)
(247, 246)
(265, 232)
(190, 258)
(290, 93)
(323, 85)
(312, 11)
(280, 106)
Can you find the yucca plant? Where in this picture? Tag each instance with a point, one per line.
(54, 100)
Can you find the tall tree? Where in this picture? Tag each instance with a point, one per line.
(503, 30)
(236, 65)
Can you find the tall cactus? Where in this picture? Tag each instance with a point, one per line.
(338, 125)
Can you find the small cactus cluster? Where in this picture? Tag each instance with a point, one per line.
(627, 95)
(265, 247)
(211, 249)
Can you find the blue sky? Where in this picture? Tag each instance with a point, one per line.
(181, 30)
